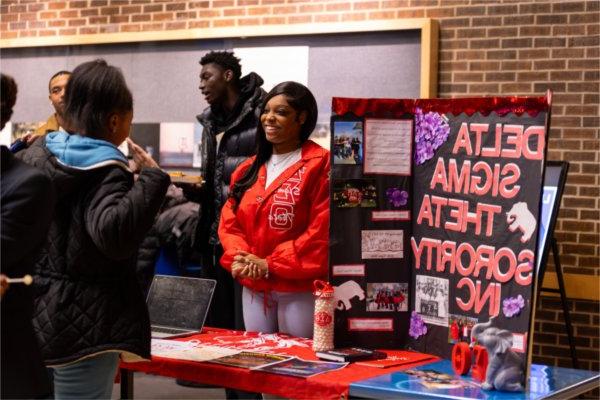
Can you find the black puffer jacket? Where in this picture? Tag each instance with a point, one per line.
(237, 144)
(173, 229)
(87, 297)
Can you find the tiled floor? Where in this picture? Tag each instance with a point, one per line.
(158, 387)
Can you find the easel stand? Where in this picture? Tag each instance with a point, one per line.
(563, 299)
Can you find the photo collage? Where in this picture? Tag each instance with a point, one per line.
(371, 214)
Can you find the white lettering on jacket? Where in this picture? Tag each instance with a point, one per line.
(281, 214)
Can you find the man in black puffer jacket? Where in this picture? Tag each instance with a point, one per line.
(227, 140)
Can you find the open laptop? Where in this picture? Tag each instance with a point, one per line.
(178, 305)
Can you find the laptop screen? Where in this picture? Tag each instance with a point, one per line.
(179, 302)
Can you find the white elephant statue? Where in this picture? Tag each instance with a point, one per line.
(345, 292)
(505, 369)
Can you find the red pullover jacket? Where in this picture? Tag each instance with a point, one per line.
(286, 223)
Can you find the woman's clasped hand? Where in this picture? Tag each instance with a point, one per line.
(247, 265)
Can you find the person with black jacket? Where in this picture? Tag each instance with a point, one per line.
(228, 139)
(24, 225)
(173, 231)
(89, 307)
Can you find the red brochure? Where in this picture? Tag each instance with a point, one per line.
(396, 358)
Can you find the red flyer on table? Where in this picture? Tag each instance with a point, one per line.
(396, 358)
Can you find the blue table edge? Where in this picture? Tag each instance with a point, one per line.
(374, 388)
(576, 389)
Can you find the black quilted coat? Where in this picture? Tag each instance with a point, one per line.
(87, 297)
(174, 229)
(237, 144)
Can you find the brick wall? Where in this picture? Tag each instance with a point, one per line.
(486, 48)
(551, 344)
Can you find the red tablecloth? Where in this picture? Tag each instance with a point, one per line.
(330, 385)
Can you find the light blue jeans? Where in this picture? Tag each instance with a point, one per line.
(290, 313)
(91, 378)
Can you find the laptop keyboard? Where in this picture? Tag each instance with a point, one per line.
(167, 330)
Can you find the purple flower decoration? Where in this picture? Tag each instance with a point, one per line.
(512, 306)
(417, 326)
(397, 197)
(431, 132)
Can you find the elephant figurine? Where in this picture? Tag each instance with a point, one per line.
(505, 369)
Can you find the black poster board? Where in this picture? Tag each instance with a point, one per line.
(369, 241)
(475, 248)
(468, 248)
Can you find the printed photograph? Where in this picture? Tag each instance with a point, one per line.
(302, 368)
(348, 142)
(459, 328)
(433, 379)
(376, 244)
(248, 359)
(431, 299)
(355, 193)
(388, 296)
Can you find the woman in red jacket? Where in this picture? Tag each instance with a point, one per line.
(274, 227)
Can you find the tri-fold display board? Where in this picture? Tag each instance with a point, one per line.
(434, 219)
